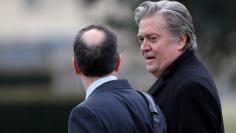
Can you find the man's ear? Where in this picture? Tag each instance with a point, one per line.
(182, 41)
(75, 65)
(117, 62)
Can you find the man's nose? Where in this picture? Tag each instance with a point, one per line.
(145, 45)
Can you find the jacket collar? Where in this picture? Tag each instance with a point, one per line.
(161, 80)
(110, 85)
(97, 83)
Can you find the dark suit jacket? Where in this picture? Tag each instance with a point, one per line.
(113, 107)
(187, 95)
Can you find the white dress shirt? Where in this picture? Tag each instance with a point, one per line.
(97, 83)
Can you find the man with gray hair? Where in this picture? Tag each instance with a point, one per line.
(184, 90)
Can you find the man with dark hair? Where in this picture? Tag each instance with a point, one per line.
(184, 89)
(111, 105)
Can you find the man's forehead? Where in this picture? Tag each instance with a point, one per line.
(151, 30)
(154, 22)
(93, 36)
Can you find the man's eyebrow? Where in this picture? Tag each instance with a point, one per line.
(138, 36)
(148, 35)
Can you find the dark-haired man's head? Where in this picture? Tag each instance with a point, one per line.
(95, 51)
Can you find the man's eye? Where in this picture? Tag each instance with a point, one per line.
(152, 39)
(141, 40)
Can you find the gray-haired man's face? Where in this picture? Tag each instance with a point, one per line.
(158, 47)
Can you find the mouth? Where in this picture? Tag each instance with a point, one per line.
(149, 59)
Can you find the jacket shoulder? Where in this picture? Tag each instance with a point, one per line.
(83, 119)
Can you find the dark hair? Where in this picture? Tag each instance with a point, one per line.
(99, 59)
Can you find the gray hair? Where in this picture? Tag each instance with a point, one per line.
(178, 19)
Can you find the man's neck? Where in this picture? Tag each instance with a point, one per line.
(96, 83)
(87, 81)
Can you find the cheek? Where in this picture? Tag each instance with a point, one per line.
(158, 50)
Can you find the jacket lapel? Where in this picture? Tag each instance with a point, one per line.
(164, 76)
(156, 86)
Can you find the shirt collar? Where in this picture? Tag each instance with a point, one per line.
(97, 83)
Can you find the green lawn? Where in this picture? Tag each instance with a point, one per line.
(229, 114)
(230, 126)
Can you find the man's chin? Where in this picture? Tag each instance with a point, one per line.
(150, 69)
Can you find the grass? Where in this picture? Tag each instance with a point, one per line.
(229, 114)
(230, 126)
